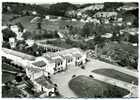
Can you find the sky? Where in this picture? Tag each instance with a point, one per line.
(71, 1)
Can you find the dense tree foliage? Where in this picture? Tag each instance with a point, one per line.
(110, 6)
(59, 9)
(7, 33)
(22, 8)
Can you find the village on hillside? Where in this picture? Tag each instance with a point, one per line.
(66, 50)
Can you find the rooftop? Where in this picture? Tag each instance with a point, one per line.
(63, 53)
(44, 82)
(39, 63)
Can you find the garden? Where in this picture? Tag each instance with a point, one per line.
(87, 87)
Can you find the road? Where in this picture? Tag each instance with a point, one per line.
(62, 79)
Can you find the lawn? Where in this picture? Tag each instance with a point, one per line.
(10, 92)
(116, 75)
(87, 87)
(7, 77)
(10, 68)
(59, 43)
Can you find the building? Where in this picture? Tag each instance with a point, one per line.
(63, 59)
(34, 73)
(16, 29)
(107, 35)
(29, 42)
(105, 14)
(48, 47)
(41, 84)
(12, 42)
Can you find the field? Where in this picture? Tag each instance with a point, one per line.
(48, 25)
(88, 88)
(117, 75)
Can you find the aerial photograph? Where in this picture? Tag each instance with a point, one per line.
(69, 50)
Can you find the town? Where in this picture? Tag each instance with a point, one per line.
(66, 50)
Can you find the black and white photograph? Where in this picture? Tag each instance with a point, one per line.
(67, 49)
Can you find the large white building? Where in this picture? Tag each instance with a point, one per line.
(62, 59)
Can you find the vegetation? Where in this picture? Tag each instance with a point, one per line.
(117, 75)
(59, 9)
(123, 53)
(10, 92)
(7, 33)
(87, 87)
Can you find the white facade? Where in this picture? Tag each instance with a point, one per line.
(47, 17)
(12, 42)
(15, 29)
(30, 42)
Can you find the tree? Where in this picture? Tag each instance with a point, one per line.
(7, 33)
(110, 6)
(59, 9)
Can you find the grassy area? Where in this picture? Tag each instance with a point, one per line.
(59, 43)
(88, 88)
(7, 77)
(48, 25)
(117, 75)
(10, 68)
(10, 92)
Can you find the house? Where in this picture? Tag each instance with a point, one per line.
(105, 14)
(107, 35)
(16, 29)
(29, 42)
(34, 13)
(41, 84)
(47, 17)
(12, 42)
(34, 73)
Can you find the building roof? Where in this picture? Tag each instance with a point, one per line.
(44, 82)
(57, 60)
(99, 14)
(18, 54)
(39, 63)
(64, 54)
(34, 70)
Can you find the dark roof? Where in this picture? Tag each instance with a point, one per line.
(42, 81)
(39, 63)
(58, 60)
